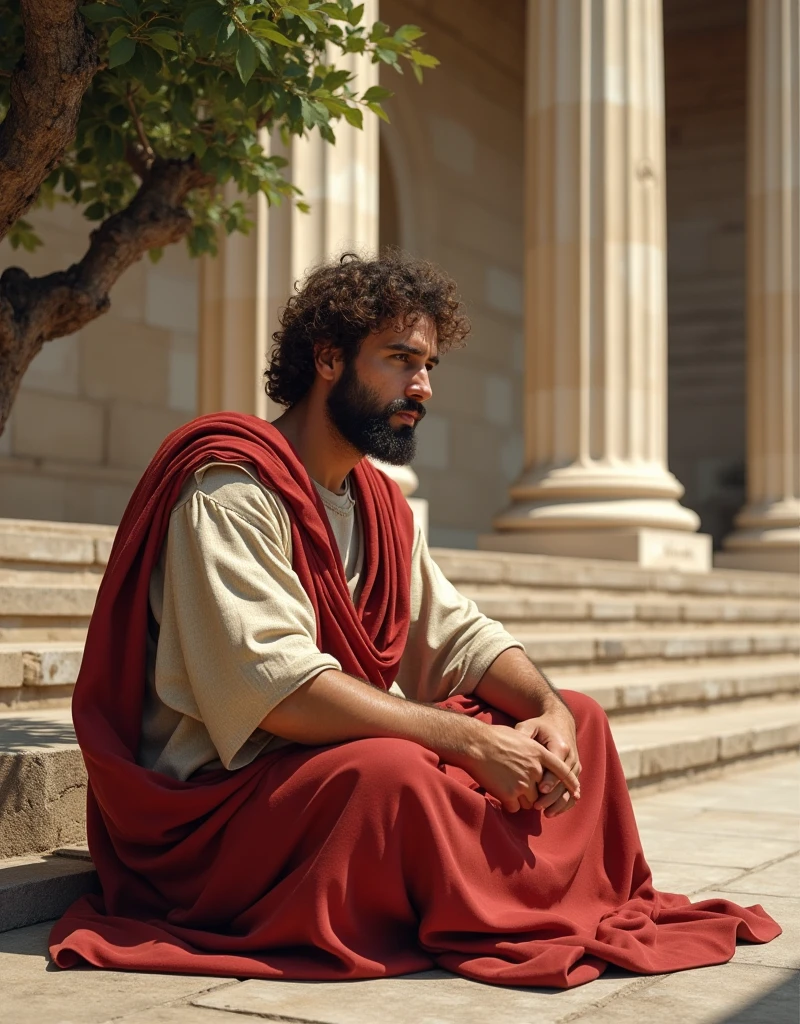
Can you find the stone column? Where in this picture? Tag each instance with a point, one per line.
(596, 483)
(233, 320)
(767, 534)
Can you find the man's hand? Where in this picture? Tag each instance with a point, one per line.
(555, 730)
(511, 767)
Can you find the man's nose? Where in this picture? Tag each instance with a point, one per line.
(420, 387)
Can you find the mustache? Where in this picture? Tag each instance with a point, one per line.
(405, 405)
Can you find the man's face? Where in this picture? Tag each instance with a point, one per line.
(376, 402)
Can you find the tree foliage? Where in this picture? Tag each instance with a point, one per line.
(141, 111)
(196, 80)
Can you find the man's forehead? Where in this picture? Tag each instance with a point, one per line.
(419, 336)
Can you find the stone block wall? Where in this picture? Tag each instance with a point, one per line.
(94, 407)
(451, 188)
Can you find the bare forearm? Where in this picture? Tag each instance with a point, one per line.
(514, 685)
(334, 708)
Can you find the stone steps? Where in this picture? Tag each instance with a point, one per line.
(635, 690)
(578, 648)
(479, 568)
(40, 888)
(29, 542)
(598, 608)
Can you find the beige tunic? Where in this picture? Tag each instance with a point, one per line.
(232, 632)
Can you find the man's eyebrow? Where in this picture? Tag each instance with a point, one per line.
(402, 346)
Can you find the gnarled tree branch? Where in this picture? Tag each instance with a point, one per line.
(47, 88)
(34, 310)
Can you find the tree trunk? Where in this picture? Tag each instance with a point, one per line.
(34, 310)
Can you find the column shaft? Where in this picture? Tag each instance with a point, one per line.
(595, 283)
(768, 527)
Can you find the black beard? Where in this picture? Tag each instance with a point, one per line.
(356, 412)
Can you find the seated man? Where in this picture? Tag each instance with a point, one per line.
(309, 756)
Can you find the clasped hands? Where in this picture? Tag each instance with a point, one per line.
(535, 764)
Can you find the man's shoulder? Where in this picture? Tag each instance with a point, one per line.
(234, 487)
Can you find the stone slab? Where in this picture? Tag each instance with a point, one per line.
(779, 879)
(764, 560)
(731, 993)
(720, 823)
(741, 852)
(34, 889)
(644, 546)
(432, 997)
(34, 992)
(678, 876)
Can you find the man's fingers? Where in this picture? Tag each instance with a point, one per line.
(555, 765)
(564, 804)
(548, 799)
(548, 783)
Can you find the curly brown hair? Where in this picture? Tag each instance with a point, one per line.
(343, 301)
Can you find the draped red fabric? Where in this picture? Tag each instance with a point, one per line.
(361, 859)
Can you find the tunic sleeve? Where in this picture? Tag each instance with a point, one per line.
(238, 632)
(450, 643)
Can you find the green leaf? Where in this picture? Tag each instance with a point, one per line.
(376, 108)
(378, 31)
(268, 31)
(355, 16)
(155, 255)
(333, 11)
(246, 57)
(336, 79)
(99, 12)
(199, 144)
(166, 41)
(424, 60)
(120, 32)
(408, 33)
(376, 93)
(131, 8)
(354, 117)
(387, 56)
(303, 207)
(204, 20)
(118, 114)
(95, 212)
(121, 52)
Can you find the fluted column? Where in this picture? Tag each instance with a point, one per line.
(233, 319)
(596, 482)
(767, 534)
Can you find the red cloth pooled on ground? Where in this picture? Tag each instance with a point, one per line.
(362, 859)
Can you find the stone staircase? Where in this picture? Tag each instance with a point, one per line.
(695, 671)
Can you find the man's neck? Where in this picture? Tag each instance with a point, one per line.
(326, 456)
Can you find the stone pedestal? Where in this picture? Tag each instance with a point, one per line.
(767, 534)
(595, 292)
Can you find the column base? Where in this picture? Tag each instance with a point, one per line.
(764, 560)
(645, 546)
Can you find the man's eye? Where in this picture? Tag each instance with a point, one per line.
(403, 356)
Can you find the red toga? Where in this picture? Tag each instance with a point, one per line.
(357, 860)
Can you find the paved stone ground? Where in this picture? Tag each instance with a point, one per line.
(738, 836)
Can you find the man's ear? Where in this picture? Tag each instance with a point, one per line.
(326, 355)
